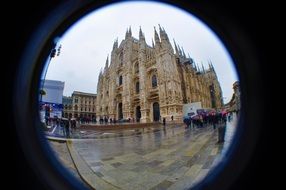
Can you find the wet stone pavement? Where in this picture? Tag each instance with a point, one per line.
(61, 152)
(171, 157)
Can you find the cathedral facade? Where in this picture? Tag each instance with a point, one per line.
(148, 83)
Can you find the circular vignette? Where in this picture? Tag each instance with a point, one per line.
(32, 63)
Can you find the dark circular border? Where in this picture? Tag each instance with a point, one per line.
(236, 41)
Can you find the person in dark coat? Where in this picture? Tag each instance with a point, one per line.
(164, 121)
(73, 125)
(67, 128)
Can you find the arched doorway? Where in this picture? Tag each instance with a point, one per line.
(138, 114)
(156, 111)
(120, 113)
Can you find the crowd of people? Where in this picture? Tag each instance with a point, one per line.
(205, 119)
(65, 126)
(68, 125)
(105, 120)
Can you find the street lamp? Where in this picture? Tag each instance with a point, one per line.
(54, 52)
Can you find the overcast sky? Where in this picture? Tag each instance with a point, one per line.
(86, 45)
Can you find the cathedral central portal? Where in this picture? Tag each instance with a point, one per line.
(138, 113)
(156, 112)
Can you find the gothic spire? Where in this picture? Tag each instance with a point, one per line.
(130, 32)
(211, 64)
(126, 34)
(203, 68)
(140, 31)
(180, 51)
(99, 76)
(106, 63)
(165, 34)
(100, 73)
(141, 35)
(156, 36)
(160, 29)
(162, 33)
(195, 66)
(184, 55)
(176, 48)
(153, 43)
(115, 44)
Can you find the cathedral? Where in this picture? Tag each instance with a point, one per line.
(147, 83)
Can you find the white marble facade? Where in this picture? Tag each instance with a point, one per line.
(153, 82)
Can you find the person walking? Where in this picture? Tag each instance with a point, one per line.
(67, 128)
(73, 125)
(190, 123)
(164, 121)
(215, 119)
(186, 122)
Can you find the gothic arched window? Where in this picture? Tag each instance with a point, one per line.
(137, 88)
(120, 80)
(121, 58)
(136, 67)
(154, 81)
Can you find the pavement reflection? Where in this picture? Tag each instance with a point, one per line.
(164, 157)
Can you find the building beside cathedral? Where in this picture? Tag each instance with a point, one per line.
(234, 104)
(148, 83)
(80, 105)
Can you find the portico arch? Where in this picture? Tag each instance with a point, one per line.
(138, 113)
(156, 111)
